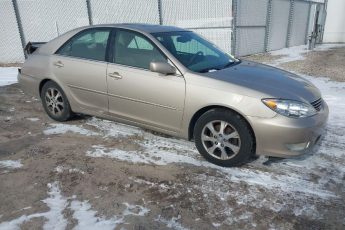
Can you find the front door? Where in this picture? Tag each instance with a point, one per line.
(136, 93)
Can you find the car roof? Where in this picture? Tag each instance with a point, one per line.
(147, 28)
(53, 45)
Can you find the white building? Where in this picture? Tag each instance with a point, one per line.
(335, 21)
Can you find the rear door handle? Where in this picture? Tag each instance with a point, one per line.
(58, 64)
(115, 75)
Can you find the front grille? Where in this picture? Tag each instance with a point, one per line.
(317, 104)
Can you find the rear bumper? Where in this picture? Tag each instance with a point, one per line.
(30, 85)
(285, 137)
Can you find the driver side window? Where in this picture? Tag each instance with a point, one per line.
(133, 49)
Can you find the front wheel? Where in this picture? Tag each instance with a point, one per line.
(224, 138)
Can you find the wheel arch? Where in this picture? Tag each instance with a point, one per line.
(42, 83)
(69, 95)
(205, 109)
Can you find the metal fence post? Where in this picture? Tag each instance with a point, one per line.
(234, 24)
(308, 25)
(89, 12)
(323, 23)
(288, 35)
(159, 2)
(19, 24)
(268, 25)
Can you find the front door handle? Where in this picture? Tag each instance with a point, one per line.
(58, 64)
(115, 75)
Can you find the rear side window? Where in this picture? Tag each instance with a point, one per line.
(134, 49)
(91, 44)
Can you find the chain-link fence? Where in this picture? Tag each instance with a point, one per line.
(299, 23)
(279, 24)
(250, 24)
(118, 11)
(10, 45)
(258, 26)
(265, 25)
(43, 20)
(210, 18)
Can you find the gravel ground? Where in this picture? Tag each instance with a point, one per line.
(10, 64)
(328, 63)
(90, 173)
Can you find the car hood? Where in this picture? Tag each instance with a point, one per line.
(268, 81)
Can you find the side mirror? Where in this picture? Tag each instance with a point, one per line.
(162, 67)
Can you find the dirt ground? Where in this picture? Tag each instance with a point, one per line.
(90, 173)
(320, 63)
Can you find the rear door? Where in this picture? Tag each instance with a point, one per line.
(81, 67)
(136, 93)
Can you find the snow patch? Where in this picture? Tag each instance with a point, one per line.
(288, 182)
(57, 203)
(297, 53)
(8, 75)
(113, 129)
(61, 169)
(55, 218)
(82, 212)
(216, 225)
(87, 218)
(11, 164)
(172, 223)
(150, 156)
(131, 156)
(65, 128)
(33, 119)
(328, 46)
(135, 210)
(290, 54)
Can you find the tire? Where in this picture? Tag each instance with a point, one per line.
(230, 142)
(55, 102)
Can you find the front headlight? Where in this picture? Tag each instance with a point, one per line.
(290, 108)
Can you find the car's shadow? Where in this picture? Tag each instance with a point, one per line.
(79, 117)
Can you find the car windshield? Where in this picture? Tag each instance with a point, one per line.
(194, 52)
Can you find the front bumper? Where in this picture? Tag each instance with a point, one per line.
(285, 137)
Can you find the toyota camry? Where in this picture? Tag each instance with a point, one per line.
(174, 81)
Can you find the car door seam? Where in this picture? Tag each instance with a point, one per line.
(90, 90)
(141, 101)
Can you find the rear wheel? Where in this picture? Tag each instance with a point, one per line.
(55, 102)
(224, 138)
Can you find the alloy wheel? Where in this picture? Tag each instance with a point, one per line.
(221, 140)
(54, 101)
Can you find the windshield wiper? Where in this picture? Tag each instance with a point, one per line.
(206, 70)
(231, 64)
